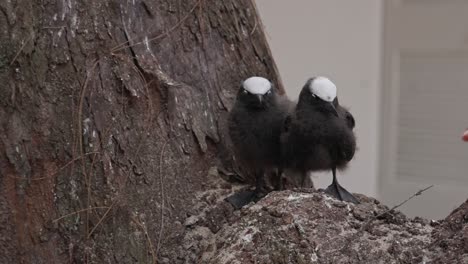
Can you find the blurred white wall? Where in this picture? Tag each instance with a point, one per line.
(341, 40)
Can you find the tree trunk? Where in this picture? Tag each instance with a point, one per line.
(112, 122)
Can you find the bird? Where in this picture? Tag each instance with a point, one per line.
(318, 134)
(254, 126)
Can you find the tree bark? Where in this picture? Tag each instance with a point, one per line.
(112, 121)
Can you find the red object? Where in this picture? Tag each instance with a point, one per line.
(465, 136)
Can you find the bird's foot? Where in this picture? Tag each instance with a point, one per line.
(242, 198)
(279, 187)
(341, 193)
(260, 194)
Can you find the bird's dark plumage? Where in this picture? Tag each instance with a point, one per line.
(318, 135)
(255, 124)
(344, 114)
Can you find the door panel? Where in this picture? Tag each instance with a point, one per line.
(425, 105)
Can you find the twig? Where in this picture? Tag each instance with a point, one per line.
(88, 198)
(145, 230)
(80, 138)
(368, 222)
(101, 219)
(108, 210)
(21, 48)
(255, 26)
(140, 143)
(162, 195)
(395, 207)
(57, 171)
(56, 27)
(124, 44)
(79, 211)
(150, 103)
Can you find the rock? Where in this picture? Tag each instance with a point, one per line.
(311, 227)
(190, 221)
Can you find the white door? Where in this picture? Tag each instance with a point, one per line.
(425, 105)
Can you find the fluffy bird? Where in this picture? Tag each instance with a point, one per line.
(318, 134)
(255, 124)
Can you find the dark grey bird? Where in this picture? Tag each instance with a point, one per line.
(255, 123)
(318, 134)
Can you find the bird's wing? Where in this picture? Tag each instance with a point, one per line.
(346, 115)
(350, 120)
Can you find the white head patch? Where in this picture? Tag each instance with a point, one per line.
(257, 85)
(323, 88)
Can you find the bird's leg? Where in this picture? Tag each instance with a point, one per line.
(238, 200)
(244, 197)
(279, 180)
(304, 179)
(260, 190)
(339, 192)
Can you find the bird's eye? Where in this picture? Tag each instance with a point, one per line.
(245, 91)
(269, 92)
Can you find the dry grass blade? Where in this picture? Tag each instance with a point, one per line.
(139, 145)
(101, 219)
(368, 222)
(161, 179)
(57, 171)
(396, 206)
(21, 49)
(80, 138)
(80, 211)
(142, 78)
(178, 24)
(148, 238)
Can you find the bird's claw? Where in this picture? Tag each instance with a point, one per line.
(341, 193)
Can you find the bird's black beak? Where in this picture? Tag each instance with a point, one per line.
(334, 109)
(260, 98)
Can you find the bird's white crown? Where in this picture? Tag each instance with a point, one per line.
(257, 85)
(323, 88)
